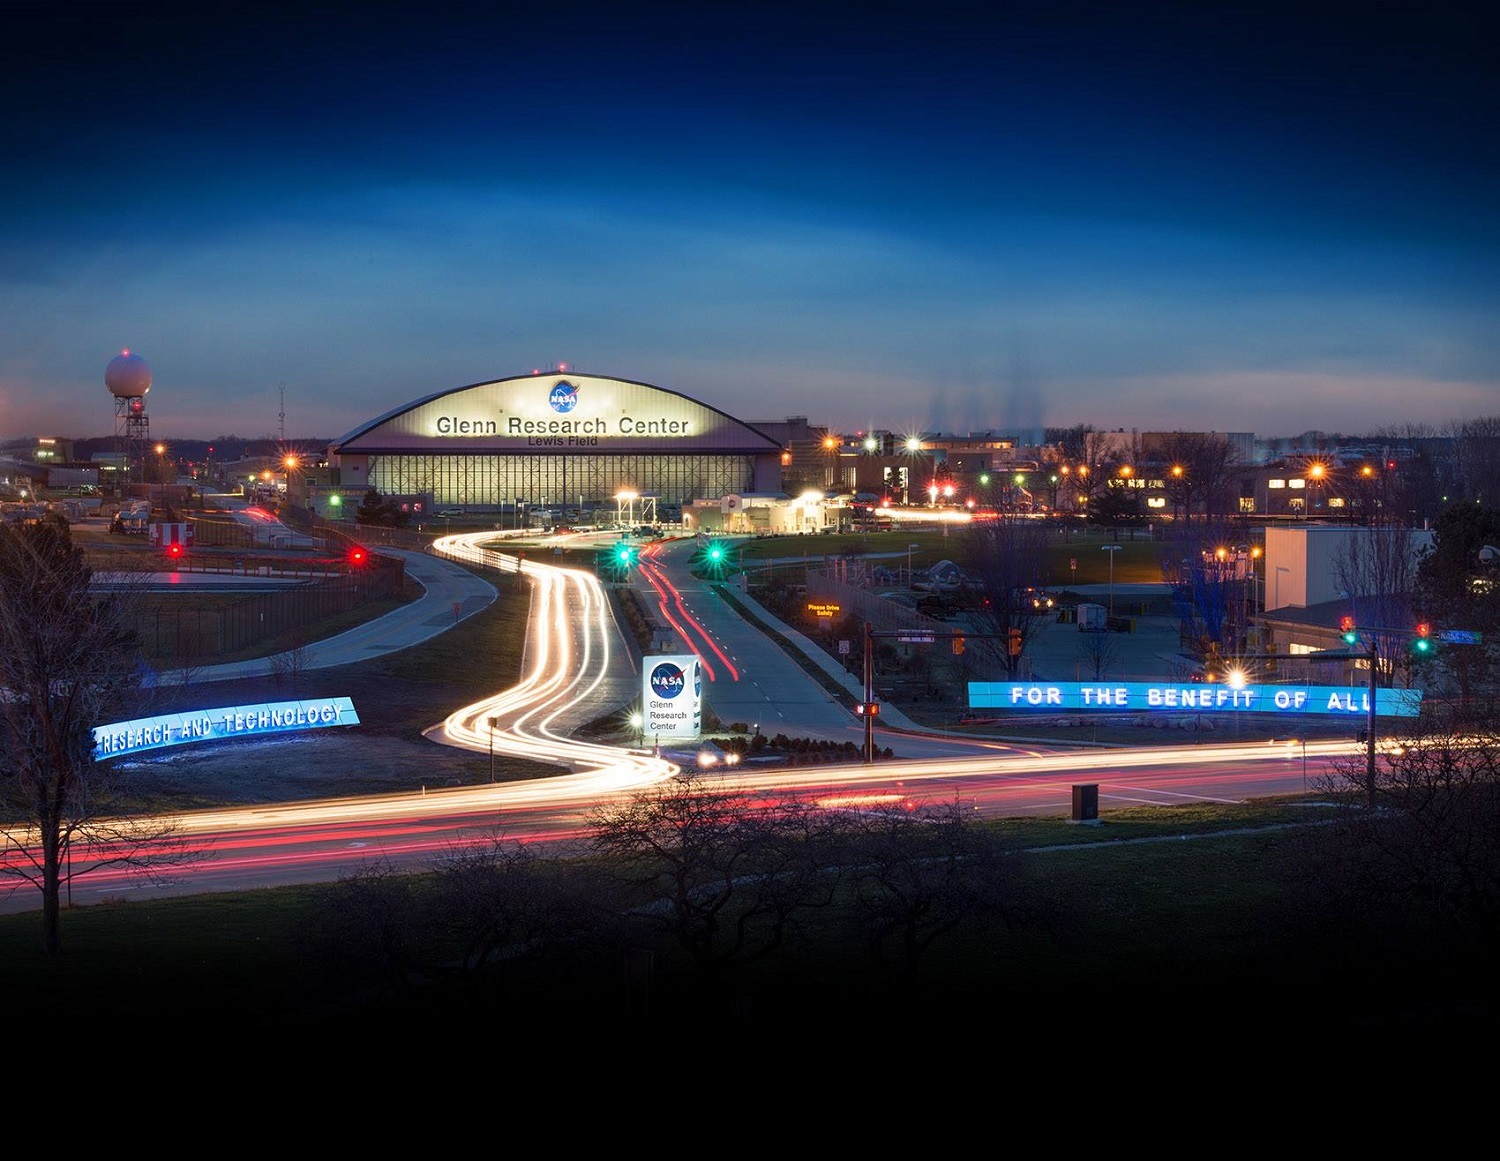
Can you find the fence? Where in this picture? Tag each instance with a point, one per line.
(191, 636)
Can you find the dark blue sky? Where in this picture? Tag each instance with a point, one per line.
(1231, 217)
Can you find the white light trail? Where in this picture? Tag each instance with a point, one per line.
(567, 673)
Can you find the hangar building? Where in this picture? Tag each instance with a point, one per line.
(555, 439)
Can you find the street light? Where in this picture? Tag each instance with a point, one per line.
(494, 722)
(1111, 549)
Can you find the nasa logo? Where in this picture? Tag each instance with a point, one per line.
(666, 680)
(697, 679)
(564, 397)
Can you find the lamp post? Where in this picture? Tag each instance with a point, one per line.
(1111, 549)
(909, 548)
(494, 721)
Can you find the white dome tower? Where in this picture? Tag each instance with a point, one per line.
(128, 378)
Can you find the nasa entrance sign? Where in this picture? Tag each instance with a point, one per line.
(672, 696)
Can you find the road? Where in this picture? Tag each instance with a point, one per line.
(576, 667)
(321, 841)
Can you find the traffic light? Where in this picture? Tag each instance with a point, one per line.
(1013, 642)
(617, 560)
(867, 709)
(175, 550)
(1350, 634)
(358, 556)
(958, 644)
(713, 558)
(1422, 643)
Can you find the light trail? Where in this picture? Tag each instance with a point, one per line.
(666, 591)
(567, 673)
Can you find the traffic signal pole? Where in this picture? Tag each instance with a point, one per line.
(869, 692)
(1370, 731)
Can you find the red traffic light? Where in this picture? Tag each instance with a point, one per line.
(867, 709)
(358, 556)
(174, 550)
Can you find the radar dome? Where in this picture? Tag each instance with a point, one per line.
(128, 376)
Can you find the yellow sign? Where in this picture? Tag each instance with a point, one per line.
(819, 609)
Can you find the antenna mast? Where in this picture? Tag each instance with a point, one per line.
(281, 414)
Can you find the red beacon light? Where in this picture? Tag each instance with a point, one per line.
(358, 556)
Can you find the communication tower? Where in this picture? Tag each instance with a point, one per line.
(128, 378)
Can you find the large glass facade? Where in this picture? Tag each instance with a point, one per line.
(494, 483)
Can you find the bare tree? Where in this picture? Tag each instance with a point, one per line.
(491, 911)
(289, 666)
(1434, 842)
(1477, 445)
(1002, 556)
(1098, 649)
(68, 662)
(1378, 569)
(1199, 470)
(722, 876)
(915, 877)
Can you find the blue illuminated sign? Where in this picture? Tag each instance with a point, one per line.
(563, 397)
(216, 725)
(1191, 697)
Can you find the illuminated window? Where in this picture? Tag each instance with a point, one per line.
(1247, 503)
(1335, 501)
(1296, 483)
(1275, 483)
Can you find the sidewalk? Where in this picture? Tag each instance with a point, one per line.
(450, 593)
(890, 716)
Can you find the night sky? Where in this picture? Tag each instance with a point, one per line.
(1246, 217)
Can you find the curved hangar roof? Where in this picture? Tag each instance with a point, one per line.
(560, 413)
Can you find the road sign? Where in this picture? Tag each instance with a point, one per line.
(916, 638)
(844, 648)
(1460, 636)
